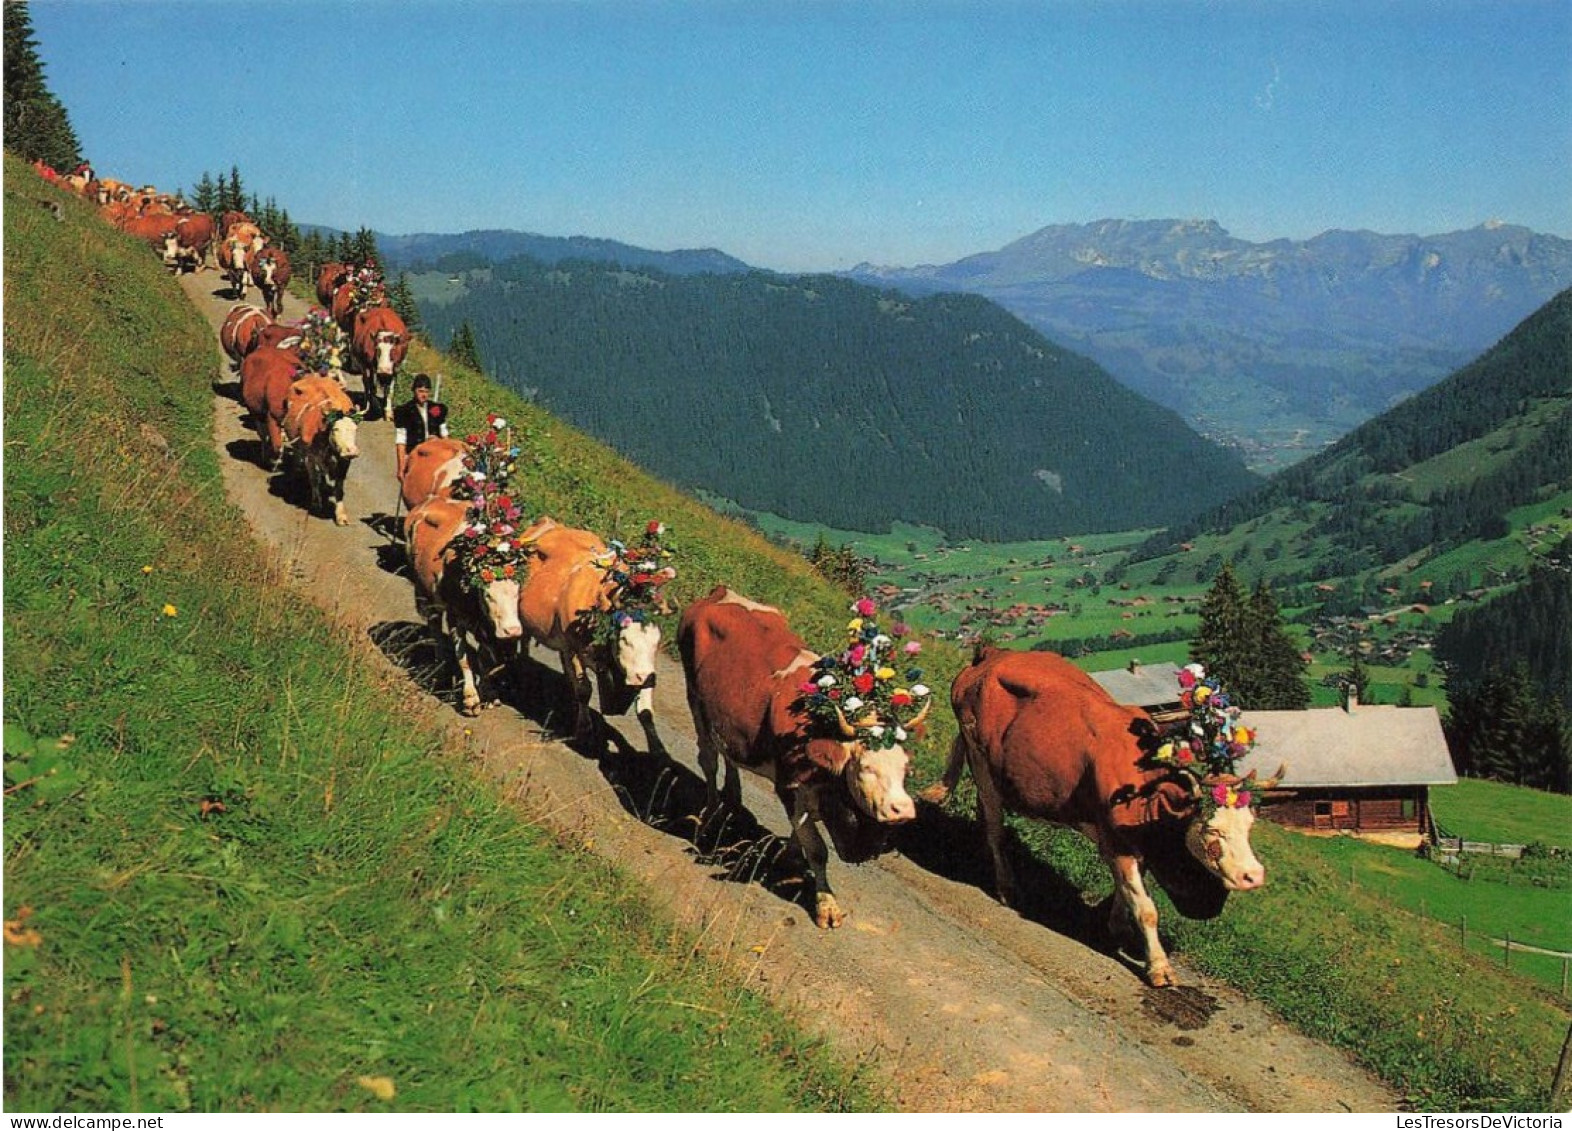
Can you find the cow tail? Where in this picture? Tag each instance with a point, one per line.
(940, 791)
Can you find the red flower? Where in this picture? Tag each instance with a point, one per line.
(434, 410)
(863, 683)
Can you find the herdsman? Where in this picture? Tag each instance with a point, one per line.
(417, 420)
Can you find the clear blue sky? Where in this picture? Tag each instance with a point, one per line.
(815, 134)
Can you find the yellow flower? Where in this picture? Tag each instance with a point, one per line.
(170, 610)
(1203, 693)
(884, 673)
(854, 625)
(147, 569)
(1165, 752)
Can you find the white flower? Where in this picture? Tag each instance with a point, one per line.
(478, 529)
(504, 548)
(498, 423)
(900, 734)
(826, 681)
(881, 641)
(919, 689)
(477, 475)
(853, 703)
(877, 731)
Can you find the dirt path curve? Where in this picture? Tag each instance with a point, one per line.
(956, 1003)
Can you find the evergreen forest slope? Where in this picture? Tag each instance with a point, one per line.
(829, 401)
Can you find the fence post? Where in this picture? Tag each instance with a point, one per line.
(1463, 928)
(1564, 963)
(1506, 950)
(1561, 1086)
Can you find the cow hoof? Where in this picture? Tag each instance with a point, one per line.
(340, 519)
(470, 710)
(827, 913)
(1161, 976)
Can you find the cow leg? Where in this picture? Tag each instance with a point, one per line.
(584, 728)
(827, 912)
(1130, 896)
(470, 692)
(644, 708)
(991, 803)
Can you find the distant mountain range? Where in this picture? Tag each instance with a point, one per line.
(1273, 348)
(470, 249)
(825, 400)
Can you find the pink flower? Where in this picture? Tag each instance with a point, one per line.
(1220, 794)
(855, 654)
(866, 608)
(912, 647)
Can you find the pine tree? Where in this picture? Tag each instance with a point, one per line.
(1356, 680)
(204, 198)
(1221, 642)
(1278, 680)
(36, 125)
(462, 348)
(365, 249)
(402, 300)
(233, 195)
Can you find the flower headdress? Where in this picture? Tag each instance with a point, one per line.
(1207, 747)
(321, 342)
(863, 691)
(365, 287)
(637, 576)
(487, 547)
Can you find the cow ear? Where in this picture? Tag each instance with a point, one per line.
(1162, 800)
(829, 754)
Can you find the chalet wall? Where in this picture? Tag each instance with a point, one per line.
(1346, 809)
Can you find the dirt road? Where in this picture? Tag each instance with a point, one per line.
(958, 1003)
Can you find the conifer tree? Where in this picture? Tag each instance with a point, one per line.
(204, 198)
(1221, 642)
(402, 299)
(36, 125)
(1356, 680)
(365, 249)
(462, 348)
(1278, 681)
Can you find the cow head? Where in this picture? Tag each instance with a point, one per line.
(343, 437)
(171, 249)
(1220, 840)
(500, 600)
(387, 345)
(633, 653)
(268, 266)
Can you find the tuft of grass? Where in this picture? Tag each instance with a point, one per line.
(240, 874)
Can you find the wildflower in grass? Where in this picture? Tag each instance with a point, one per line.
(147, 569)
(171, 611)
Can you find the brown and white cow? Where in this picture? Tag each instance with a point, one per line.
(1045, 741)
(567, 587)
(473, 618)
(330, 277)
(266, 375)
(193, 238)
(744, 669)
(270, 270)
(242, 330)
(320, 423)
(234, 256)
(431, 469)
(377, 345)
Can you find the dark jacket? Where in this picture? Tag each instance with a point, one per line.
(415, 428)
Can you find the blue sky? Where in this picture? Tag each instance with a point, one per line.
(814, 135)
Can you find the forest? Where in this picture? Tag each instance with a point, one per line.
(831, 401)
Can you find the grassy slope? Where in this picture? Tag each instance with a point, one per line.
(1332, 960)
(363, 912)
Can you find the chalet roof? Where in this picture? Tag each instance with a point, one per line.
(1370, 745)
(1141, 685)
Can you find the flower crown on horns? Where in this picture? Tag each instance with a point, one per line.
(637, 576)
(1206, 747)
(487, 547)
(862, 692)
(321, 344)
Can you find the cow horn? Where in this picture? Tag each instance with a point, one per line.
(921, 715)
(847, 730)
(1271, 782)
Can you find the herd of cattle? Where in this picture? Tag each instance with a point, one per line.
(1040, 737)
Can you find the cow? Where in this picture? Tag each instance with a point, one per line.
(463, 607)
(744, 668)
(567, 589)
(377, 345)
(157, 231)
(270, 271)
(193, 238)
(233, 260)
(330, 278)
(431, 469)
(320, 423)
(266, 376)
(353, 296)
(1044, 740)
(242, 330)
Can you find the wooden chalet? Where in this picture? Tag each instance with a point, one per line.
(1355, 769)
